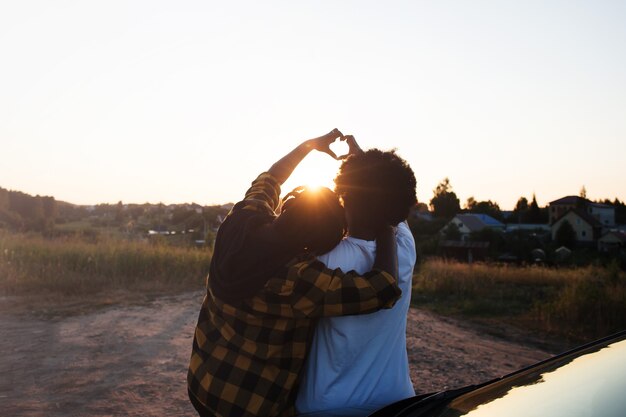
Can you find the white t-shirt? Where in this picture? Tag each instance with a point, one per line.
(361, 361)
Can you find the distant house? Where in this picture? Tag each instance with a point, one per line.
(603, 213)
(558, 208)
(612, 241)
(588, 229)
(473, 222)
(464, 251)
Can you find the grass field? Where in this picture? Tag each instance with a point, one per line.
(74, 266)
(580, 303)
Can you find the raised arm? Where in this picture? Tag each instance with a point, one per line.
(282, 169)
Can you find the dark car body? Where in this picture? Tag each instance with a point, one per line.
(588, 381)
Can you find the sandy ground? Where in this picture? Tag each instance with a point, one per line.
(131, 360)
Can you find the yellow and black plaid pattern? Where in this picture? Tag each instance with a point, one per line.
(264, 194)
(246, 358)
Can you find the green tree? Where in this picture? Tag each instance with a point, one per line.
(535, 213)
(522, 204)
(181, 215)
(22, 211)
(29, 208)
(520, 212)
(620, 211)
(471, 203)
(214, 215)
(120, 215)
(136, 211)
(488, 207)
(50, 212)
(445, 203)
(565, 235)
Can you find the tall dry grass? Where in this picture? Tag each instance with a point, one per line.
(73, 266)
(580, 303)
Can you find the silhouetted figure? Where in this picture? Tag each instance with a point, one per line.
(265, 289)
(359, 363)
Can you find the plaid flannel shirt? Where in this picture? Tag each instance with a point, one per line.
(246, 358)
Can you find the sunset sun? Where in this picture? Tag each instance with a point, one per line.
(317, 170)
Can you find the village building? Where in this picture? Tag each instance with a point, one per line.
(613, 241)
(603, 213)
(587, 228)
(590, 220)
(469, 223)
(466, 224)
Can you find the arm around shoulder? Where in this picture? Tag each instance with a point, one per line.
(322, 292)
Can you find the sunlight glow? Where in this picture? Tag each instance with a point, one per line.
(314, 188)
(317, 170)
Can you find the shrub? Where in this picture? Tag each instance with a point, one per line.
(583, 302)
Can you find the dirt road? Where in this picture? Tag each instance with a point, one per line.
(131, 360)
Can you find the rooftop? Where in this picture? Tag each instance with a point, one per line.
(477, 221)
(619, 234)
(570, 199)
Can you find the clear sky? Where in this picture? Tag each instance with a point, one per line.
(181, 101)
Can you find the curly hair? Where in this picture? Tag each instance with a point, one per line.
(315, 216)
(379, 183)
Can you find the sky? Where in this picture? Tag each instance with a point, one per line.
(188, 101)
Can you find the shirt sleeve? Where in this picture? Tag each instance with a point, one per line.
(311, 290)
(263, 195)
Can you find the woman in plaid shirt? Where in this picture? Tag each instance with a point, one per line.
(265, 289)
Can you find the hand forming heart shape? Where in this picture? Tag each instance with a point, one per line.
(340, 148)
